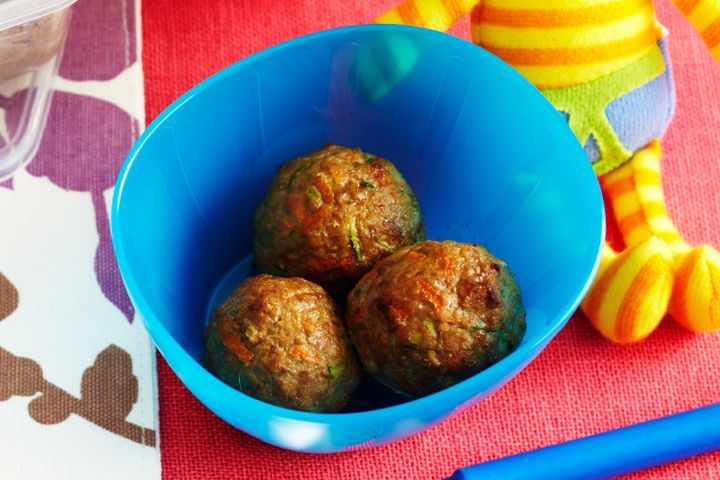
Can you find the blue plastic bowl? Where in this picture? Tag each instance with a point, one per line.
(489, 158)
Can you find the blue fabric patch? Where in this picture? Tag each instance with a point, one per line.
(591, 149)
(644, 113)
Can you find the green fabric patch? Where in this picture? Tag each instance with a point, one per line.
(585, 105)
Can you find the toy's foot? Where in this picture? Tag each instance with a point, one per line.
(635, 192)
(695, 302)
(632, 291)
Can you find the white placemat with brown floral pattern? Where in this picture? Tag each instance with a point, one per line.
(78, 392)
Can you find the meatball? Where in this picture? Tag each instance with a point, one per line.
(331, 215)
(282, 340)
(433, 314)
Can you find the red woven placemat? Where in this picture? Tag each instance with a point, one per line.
(579, 386)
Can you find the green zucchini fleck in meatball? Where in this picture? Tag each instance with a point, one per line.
(433, 314)
(331, 215)
(282, 340)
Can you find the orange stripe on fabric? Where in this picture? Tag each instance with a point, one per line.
(475, 15)
(632, 222)
(596, 298)
(680, 303)
(410, 14)
(686, 6)
(628, 182)
(627, 316)
(578, 55)
(711, 35)
(553, 18)
(713, 312)
(623, 172)
(620, 187)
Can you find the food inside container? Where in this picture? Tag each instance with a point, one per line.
(32, 35)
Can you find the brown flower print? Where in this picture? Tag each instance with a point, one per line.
(9, 297)
(107, 393)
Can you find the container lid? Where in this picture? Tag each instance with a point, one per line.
(15, 12)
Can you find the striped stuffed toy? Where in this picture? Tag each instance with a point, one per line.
(603, 64)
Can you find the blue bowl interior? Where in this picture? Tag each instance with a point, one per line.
(489, 159)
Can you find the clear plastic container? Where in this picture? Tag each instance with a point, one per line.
(32, 35)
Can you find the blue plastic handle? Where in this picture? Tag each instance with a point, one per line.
(610, 454)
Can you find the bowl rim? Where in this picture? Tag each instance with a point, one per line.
(183, 364)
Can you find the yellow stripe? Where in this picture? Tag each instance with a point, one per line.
(679, 249)
(592, 35)
(655, 209)
(625, 204)
(650, 194)
(434, 14)
(547, 17)
(553, 76)
(715, 51)
(638, 235)
(661, 224)
(703, 14)
(458, 8)
(646, 178)
(546, 4)
(672, 238)
(646, 174)
(647, 161)
(391, 17)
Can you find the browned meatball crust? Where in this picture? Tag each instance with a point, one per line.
(433, 314)
(331, 215)
(282, 340)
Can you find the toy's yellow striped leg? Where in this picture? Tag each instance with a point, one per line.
(635, 192)
(435, 14)
(636, 196)
(632, 291)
